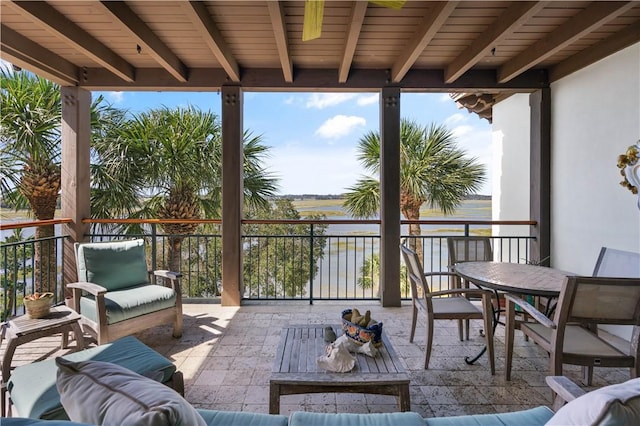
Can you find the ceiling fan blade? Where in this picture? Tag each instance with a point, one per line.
(312, 25)
(393, 4)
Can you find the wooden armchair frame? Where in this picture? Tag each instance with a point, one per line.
(104, 332)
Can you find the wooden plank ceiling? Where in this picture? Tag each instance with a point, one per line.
(480, 46)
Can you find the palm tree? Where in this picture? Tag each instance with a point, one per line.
(433, 170)
(167, 163)
(30, 151)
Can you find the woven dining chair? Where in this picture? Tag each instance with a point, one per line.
(572, 337)
(446, 304)
(467, 249)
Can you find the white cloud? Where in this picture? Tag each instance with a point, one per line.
(476, 142)
(455, 119)
(340, 125)
(305, 171)
(462, 131)
(324, 100)
(115, 97)
(368, 99)
(5, 65)
(444, 97)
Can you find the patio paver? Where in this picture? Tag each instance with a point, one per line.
(226, 355)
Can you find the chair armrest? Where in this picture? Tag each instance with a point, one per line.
(467, 291)
(565, 389)
(528, 308)
(167, 274)
(174, 280)
(90, 288)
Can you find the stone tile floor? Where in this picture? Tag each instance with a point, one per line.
(226, 355)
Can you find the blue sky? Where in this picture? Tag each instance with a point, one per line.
(313, 136)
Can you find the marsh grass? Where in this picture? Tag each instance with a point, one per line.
(10, 214)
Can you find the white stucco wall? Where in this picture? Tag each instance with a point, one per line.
(510, 147)
(595, 117)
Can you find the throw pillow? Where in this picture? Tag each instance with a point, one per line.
(611, 405)
(103, 393)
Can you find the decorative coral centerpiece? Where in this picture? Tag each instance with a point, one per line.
(361, 328)
(38, 305)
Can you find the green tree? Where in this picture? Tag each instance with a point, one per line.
(30, 148)
(15, 257)
(281, 259)
(370, 274)
(167, 163)
(433, 170)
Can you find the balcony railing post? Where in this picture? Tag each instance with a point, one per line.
(154, 247)
(311, 264)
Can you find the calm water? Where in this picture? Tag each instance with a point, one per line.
(344, 254)
(470, 209)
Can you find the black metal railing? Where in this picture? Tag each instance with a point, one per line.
(312, 260)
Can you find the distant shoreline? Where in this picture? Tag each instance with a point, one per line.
(343, 196)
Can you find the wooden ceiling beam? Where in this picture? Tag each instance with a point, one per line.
(61, 27)
(276, 12)
(591, 18)
(508, 22)
(204, 24)
(614, 43)
(358, 12)
(26, 54)
(437, 14)
(146, 39)
(315, 80)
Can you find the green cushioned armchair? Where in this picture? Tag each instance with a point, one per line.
(117, 296)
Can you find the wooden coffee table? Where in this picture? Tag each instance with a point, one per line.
(295, 370)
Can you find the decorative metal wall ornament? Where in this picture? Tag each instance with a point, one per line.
(629, 165)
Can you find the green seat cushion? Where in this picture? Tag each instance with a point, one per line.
(303, 418)
(533, 417)
(130, 303)
(113, 264)
(241, 418)
(33, 386)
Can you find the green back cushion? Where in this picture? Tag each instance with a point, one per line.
(113, 265)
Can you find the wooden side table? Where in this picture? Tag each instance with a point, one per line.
(23, 329)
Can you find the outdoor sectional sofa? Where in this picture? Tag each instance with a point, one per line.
(85, 387)
(611, 405)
